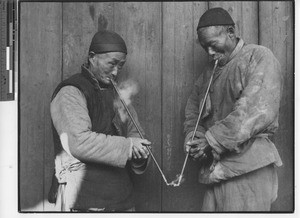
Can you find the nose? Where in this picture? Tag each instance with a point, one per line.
(115, 71)
(210, 51)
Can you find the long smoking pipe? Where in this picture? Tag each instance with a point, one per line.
(198, 119)
(138, 129)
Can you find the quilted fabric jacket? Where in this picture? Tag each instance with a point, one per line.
(240, 113)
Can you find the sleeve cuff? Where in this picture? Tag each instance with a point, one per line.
(197, 134)
(139, 166)
(138, 163)
(214, 143)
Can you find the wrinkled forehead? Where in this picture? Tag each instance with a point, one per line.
(210, 32)
(118, 56)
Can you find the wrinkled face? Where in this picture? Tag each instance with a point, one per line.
(107, 66)
(217, 42)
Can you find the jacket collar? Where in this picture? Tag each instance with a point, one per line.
(237, 48)
(91, 77)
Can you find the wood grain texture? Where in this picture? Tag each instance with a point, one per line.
(80, 22)
(164, 58)
(140, 26)
(276, 33)
(182, 64)
(40, 69)
(200, 55)
(245, 16)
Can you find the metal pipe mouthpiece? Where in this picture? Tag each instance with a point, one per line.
(112, 80)
(216, 63)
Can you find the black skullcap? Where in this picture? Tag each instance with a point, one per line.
(215, 17)
(107, 41)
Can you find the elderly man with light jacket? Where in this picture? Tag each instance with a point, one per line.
(232, 143)
(95, 149)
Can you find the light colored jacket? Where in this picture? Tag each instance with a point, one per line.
(241, 112)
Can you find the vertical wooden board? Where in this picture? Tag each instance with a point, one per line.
(276, 33)
(51, 79)
(200, 55)
(182, 64)
(40, 68)
(245, 16)
(140, 26)
(80, 22)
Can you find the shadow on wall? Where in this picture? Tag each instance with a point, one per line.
(32, 197)
(42, 206)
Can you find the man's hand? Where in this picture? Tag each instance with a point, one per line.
(188, 138)
(139, 149)
(202, 151)
(198, 148)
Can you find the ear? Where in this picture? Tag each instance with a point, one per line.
(91, 57)
(231, 31)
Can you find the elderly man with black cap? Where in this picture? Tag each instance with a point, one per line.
(94, 148)
(236, 156)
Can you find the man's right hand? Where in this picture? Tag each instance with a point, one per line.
(188, 139)
(139, 149)
(198, 148)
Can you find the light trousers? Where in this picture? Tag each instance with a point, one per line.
(254, 191)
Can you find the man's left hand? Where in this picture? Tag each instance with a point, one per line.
(139, 149)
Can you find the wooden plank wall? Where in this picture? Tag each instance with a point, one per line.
(164, 58)
(140, 24)
(180, 69)
(276, 33)
(40, 70)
